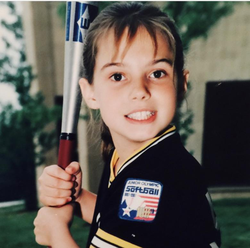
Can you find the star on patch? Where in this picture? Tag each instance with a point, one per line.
(126, 211)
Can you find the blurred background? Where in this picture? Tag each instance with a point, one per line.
(213, 121)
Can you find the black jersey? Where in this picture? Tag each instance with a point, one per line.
(158, 199)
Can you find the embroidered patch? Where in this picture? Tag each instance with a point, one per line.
(140, 200)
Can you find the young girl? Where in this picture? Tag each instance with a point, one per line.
(152, 192)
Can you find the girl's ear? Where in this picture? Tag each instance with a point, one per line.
(186, 76)
(88, 93)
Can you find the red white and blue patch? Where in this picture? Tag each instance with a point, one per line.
(140, 200)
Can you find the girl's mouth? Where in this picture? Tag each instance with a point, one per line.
(141, 115)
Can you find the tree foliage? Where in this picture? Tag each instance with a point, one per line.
(23, 139)
(196, 19)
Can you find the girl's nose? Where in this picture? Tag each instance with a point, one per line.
(140, 90)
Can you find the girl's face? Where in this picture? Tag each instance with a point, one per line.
(135, 88)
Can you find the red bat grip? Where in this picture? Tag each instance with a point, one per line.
(66, 149)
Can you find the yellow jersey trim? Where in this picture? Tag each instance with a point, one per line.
(113, 162)
(114, 240)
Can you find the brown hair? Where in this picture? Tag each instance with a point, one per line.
(131, 16)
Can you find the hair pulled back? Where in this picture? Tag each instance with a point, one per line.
(131, 16)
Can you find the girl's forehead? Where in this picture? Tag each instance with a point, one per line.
(122, 43)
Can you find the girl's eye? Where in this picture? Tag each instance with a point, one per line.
(117, 77)
(157, 74)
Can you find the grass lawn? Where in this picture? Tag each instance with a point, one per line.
(233, 215)
(17, 229)
(234, 220)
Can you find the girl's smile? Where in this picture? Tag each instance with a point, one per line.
(142, 116)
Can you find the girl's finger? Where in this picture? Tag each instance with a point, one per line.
(55, 192)
(57, 172)
(55, 182)
(52, 201)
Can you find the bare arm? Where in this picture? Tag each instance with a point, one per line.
(87, 201)
(64, 239)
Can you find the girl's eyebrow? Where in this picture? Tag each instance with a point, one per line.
(111, 64)
(164, 60)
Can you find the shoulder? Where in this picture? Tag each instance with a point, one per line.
(171, 153)
(177, 165)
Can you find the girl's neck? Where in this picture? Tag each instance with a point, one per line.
(124, 151)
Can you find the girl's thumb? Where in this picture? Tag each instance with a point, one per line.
(73, 168)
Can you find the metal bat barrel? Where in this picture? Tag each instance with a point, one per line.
(79, 15)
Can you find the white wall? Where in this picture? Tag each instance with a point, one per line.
(224, 55)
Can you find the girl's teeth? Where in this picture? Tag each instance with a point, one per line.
(144, 115)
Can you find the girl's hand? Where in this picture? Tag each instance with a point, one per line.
(58, 187)
(52, 226)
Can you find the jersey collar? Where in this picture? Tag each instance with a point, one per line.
(170, 131)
